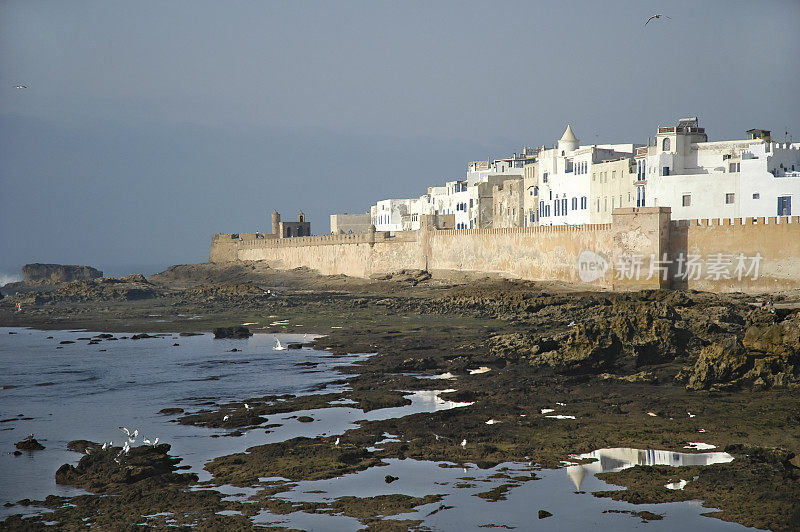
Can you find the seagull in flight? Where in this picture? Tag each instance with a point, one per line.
(657, 15)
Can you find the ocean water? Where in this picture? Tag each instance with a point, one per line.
(61, 392)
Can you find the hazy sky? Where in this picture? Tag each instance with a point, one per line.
(149, 125)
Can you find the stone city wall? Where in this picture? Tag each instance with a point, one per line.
(729, 253)
(640, 249)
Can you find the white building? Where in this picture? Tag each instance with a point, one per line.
(565, 177)
(753, 177)
(399, 214)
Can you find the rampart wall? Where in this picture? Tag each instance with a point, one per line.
(734, 251)
(641, 248)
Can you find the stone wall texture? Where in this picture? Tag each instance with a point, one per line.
(597, 255)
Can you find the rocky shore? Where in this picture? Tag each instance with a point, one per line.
(652, 369)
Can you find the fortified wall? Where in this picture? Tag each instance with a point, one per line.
(641, 248)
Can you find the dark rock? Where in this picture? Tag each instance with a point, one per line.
(173, 410)
(66, 342)
(294, 346)
(102, 470)
(29, 444)
(389, 479)
(232, 332)
(305, 419)
(142, 336)
(190, 334)
(543, 514)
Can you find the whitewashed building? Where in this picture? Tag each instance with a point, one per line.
(565, 174)
(751, 177)
(399, 214)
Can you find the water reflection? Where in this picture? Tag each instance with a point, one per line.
(618, 458)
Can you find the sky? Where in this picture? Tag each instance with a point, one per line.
(148, 126)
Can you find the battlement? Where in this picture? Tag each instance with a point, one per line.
(594, 254)
(738, 222)
(526, 230)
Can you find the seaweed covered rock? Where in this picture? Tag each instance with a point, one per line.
(102, 470)
(29, 444)
(720, 362)
(586, 348)
(232, 332)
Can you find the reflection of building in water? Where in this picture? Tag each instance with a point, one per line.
(431, 397)
(619, 458)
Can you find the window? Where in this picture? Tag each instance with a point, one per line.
(574, 204)
(564, 207)
(558, 208)
(544, 177)
(583, 203)
(687, 200)
(784, 205)
(733, 167)
(665, 170)
(730, 198)
(665, 146)
(541, 208)
(756, 195)
(598, 204)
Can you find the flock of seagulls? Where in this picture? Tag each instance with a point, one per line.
(130, 438)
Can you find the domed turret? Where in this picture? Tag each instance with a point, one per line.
(568, 141)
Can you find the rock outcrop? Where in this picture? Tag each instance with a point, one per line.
(59, 273)
(767, 356)
(232, 332)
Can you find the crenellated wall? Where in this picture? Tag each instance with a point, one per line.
(728, 248)
(642, 248)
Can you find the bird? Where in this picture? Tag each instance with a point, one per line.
(278, 346)
(226, 418)
(336, 443)
(247, 407)
(155, 442)
(464, 443)
(105, 446)
(20, 87)
(657, 15)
